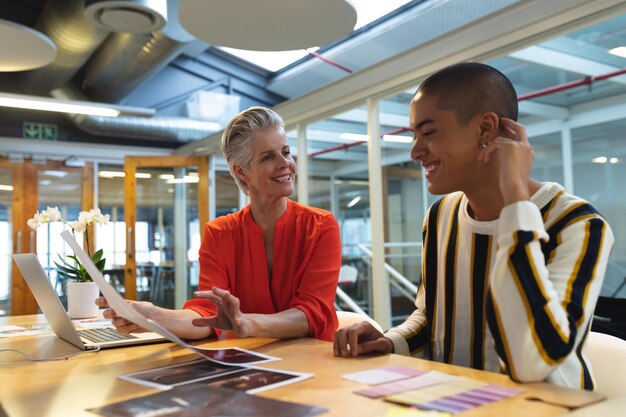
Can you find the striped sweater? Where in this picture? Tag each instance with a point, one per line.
(514, 295)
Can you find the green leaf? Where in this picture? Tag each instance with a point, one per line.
(100, 264)
(66, 270)
(97, 256)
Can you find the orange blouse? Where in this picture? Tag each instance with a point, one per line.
(307, 258)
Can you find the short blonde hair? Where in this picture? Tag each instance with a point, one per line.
(240, 132)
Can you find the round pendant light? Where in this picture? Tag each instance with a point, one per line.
(129, 16)
(268, 25)
(23, 48)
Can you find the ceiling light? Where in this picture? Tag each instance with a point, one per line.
(353, 202)
(133, 16)
(277, 25)
(167, 176)
(6, 187)
(614, 160)
(111, 174)
(21, 101)
(54, 173)
(352, 182)
(120, 174)
(23, 48)
(600, 160)
(185, 180)
(354, 136)
(397, 139)
(619, 51)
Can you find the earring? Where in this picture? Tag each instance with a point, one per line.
(483, 145)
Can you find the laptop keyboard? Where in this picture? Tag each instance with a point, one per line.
(103, 334)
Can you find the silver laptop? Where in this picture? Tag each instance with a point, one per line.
(85, 339)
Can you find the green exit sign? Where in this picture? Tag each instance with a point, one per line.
(39, 131)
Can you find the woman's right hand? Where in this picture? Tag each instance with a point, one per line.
(121, 324)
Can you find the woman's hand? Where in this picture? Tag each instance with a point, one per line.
(121, 324)
(229, 316)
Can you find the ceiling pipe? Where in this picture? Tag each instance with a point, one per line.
(589, 80)
(125, 60)
(76, 39)
(360, 142)
(154, 129)
(329, 61)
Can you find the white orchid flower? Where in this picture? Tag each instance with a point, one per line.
(100, 218)
(53, 213)
(85, 217)
(78, 226)
(43, 217)
(33, 223)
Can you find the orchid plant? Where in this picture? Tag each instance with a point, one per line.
(73, 270)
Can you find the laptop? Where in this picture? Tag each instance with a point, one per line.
(92, 338)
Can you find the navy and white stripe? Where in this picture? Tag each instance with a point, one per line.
(516, 293)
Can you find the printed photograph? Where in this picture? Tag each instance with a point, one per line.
(253, 380)
(185, 373)
(196, 400)
(234, 356)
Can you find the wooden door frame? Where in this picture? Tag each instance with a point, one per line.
(25, 202)
(131, 163)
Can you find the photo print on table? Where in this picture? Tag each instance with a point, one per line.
(196, 400)
(249, 379)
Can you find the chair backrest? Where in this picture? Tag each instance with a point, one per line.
(608, 362)
(348, 318)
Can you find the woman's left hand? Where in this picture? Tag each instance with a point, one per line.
(229, 316)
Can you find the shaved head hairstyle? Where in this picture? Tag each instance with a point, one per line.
(471, 88)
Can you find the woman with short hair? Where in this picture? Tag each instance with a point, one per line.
(270, 269)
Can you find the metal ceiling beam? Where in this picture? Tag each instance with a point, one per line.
(551, 58)
(61, 150)
(544, 110)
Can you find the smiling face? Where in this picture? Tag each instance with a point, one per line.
(271, 172)
(446, 148)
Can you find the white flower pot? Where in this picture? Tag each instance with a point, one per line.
(81, 299)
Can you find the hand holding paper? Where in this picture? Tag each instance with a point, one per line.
(125, 310)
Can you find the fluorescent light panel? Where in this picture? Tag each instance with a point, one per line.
(605, 160)
(120, 174)
(6, 187)
(185, 180)
(354, 136)
(21, 101)
(397, 139)
(353, 202)
(619, 51)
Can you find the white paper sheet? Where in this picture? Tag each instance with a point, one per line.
(124, 309)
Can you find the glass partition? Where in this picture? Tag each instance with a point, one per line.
(6, 245)
(599, 161)
(338, 182)
(405, 201)
(62, 188)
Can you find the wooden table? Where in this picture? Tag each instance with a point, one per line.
(67, 387)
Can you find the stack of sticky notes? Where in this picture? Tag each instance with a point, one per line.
(431, 390)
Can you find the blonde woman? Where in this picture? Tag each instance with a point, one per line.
(270, 269)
